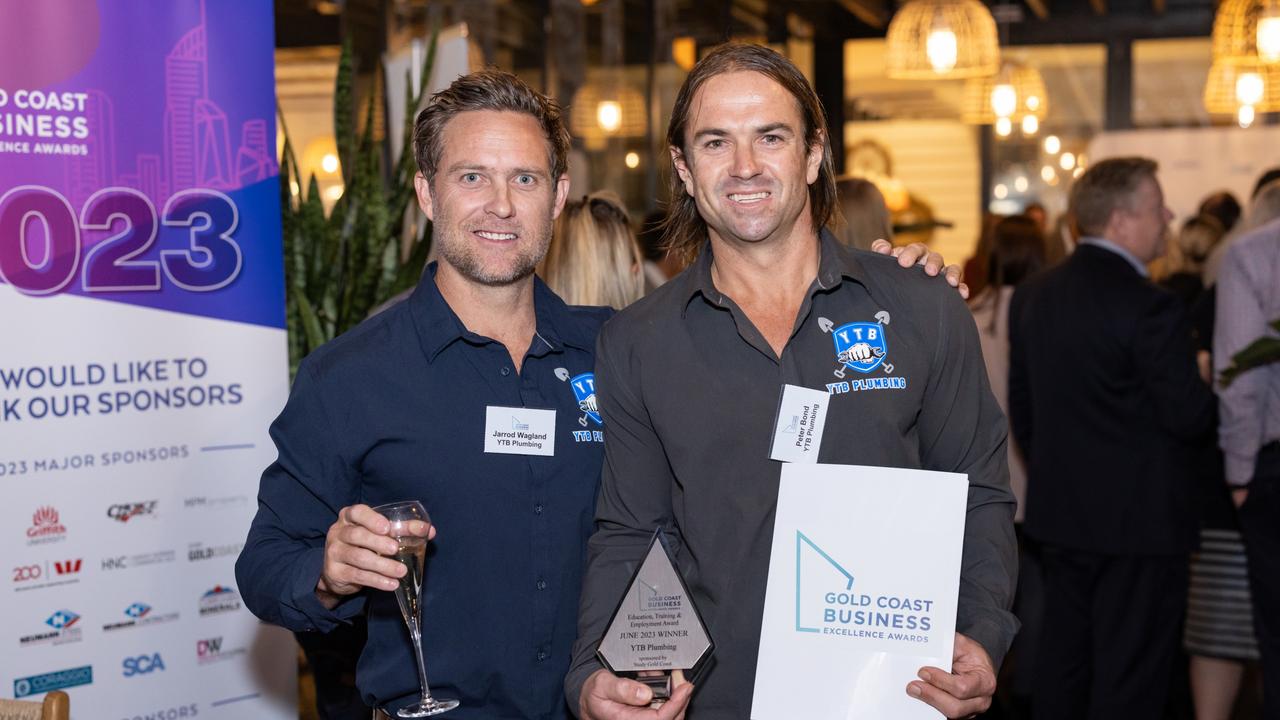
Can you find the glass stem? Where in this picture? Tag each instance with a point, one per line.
(415, 634)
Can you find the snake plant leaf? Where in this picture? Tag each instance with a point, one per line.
(310, 322)
(343, 103)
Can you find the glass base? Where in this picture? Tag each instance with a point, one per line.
(426, 709)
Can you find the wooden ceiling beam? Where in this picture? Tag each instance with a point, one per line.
(1040, 8)
(871, 12)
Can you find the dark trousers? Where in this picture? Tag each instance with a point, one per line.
(1260, 526)
(1111, 633)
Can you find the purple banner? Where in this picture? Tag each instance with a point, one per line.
(138, 155)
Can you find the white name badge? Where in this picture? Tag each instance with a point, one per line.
(519, 431)
(802, 415)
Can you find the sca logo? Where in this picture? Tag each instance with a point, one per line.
(45, 526)
(142, 664)
(124, 512)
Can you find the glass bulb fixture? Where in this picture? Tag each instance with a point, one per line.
(1245, 116)
(942, 48)
(609, 115)
(1004, 100)
(1052, 144)
(1269, 33)
(1030, 125)
(1249, 88)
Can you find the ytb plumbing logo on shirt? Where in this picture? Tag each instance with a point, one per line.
(861, 347)
(828, 604)
(584, 391)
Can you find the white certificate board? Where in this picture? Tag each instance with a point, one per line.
(863, 583)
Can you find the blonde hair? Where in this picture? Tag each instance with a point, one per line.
(594, 258)
(862, 207)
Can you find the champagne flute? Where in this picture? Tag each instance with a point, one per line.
(412, 552)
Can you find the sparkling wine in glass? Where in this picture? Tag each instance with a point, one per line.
(412, 552)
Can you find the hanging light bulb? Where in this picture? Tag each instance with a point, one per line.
(1269, 33)
(941, 46)
(1020, 183)
(1001, 191)
(1048, 174)
(1004, 100)
(1033, 103)
(1030, 125)
(609, 115)
(1067, 161)
(1249, 88)
(1245, 116)
(1052, 144)
(1004, 126)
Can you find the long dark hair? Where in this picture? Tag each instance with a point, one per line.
(684, 230)
(1017, 253)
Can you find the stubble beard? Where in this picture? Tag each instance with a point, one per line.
(456, 250)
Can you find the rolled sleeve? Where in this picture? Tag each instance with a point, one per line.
(962, 430)
(299, 497)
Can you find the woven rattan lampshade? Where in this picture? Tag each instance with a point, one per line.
(1220, 92)
(944, 29)
(1030, 96)
(1235, 29)
(610, 100)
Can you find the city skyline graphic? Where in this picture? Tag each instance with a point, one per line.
(196, 149)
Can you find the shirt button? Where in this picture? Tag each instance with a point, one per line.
(542, 655)
(506, 371)
(542, 585)
(537, 509)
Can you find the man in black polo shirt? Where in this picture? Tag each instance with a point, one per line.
(689, 379)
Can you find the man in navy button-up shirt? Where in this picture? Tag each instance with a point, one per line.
(396, 410)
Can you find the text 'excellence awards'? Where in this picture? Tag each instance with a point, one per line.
(656, 635)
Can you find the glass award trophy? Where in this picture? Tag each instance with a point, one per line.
(656, 635)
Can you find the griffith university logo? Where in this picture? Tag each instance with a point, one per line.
(45, 526)
(827, 604)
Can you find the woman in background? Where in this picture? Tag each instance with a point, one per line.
(1016, 252)
(594, 258)
(866, 218)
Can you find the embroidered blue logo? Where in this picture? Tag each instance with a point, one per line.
(584, 390)
(860, 346)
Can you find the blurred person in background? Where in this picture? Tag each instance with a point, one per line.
(1218, 634)
(1105, 400)
(866, 218)
(593, 258)
(1223, 207)
(1256, 215)
(659, 265)
(975, 268)
(1038, 215)
(1017, 253)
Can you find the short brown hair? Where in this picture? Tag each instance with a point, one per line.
(488, 90)
(684, 230)
(1105, 187)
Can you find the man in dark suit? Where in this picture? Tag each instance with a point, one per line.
(1105, 400)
